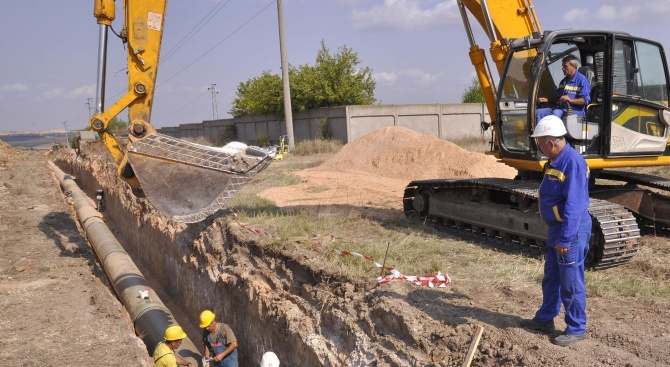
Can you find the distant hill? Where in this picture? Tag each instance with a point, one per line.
(38, 140)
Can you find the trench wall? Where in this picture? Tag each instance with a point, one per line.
(205, 266)
(274, 297)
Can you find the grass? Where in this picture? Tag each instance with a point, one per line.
(415, 248)
(317, 146)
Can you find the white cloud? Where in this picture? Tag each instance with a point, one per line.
(577, 15)
(611, 13)
(406, 14)
(54, 93)
(82, 92)
(385, 77)
(17, 87)
(420, 76)
(652, 11)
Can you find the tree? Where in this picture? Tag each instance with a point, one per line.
(473, 94)
(259, 95)
(117, 124)
(335, 80)
(339, 81)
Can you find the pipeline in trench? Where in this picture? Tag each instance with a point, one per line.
(149, 314)
(201, 266)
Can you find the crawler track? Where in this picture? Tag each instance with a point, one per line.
(506, 211)
(648, 197)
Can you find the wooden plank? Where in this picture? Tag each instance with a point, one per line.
(473, 346)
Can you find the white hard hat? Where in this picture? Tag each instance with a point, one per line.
(549, 126)
(269, 360)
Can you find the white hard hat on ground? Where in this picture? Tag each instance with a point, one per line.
(549, 126)
(269, 360)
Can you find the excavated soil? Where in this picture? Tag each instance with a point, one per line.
(373, 171)
(279, 297)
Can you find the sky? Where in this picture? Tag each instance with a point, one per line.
(417, 50)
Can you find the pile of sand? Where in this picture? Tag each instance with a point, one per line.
(372, 171)
(398, 152)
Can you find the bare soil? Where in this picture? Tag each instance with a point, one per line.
(47, 272)
(57, 309)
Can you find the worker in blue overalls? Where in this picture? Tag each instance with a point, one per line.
(564, 203)
(220, 342)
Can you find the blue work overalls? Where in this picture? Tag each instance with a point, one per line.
(564, 202)
(217, 347)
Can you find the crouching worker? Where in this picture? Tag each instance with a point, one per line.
(164, 355)
(220, 342)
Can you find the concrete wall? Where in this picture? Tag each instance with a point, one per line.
(446, 121)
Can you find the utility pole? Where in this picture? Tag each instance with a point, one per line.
(88, 104)
(288, 114)
(67, 140)
(215, 108)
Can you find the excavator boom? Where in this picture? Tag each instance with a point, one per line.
(183, 180)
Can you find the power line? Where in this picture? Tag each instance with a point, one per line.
(194, 30)
(173, 113)
(67, 139)
(216, 45)
(215, 109)
(88, 104)
(206, 52)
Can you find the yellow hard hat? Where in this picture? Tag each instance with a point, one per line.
(174, 333)
(206, 318)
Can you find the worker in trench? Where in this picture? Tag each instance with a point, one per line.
(564, 204)
(270, 359)
(219, 340)
(164, 355)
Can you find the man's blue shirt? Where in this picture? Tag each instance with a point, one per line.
(564, 196)
(577, 87)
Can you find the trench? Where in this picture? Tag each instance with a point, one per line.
(269, 301)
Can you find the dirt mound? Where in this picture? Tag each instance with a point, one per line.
(373, 170)
(399, 152)
(6, 151)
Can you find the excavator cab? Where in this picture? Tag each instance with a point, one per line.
(627, 116)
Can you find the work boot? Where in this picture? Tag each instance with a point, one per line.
(565, 340)
(533, 324)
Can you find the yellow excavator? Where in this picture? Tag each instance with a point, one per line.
(627, 125)
(185, 181)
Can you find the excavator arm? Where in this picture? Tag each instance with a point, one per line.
(183, 180)
(501, 20)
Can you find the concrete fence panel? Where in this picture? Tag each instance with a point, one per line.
(348, 123)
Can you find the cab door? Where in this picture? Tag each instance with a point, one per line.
(639, 121)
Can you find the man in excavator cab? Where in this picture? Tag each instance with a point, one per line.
(574, 92)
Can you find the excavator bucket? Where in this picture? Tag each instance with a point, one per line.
(188, 181)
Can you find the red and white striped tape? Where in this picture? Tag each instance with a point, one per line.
(255, 231)
(438, 280)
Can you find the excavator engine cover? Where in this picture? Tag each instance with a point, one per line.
(188, 181)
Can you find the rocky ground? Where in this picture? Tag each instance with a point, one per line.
(47, 271)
